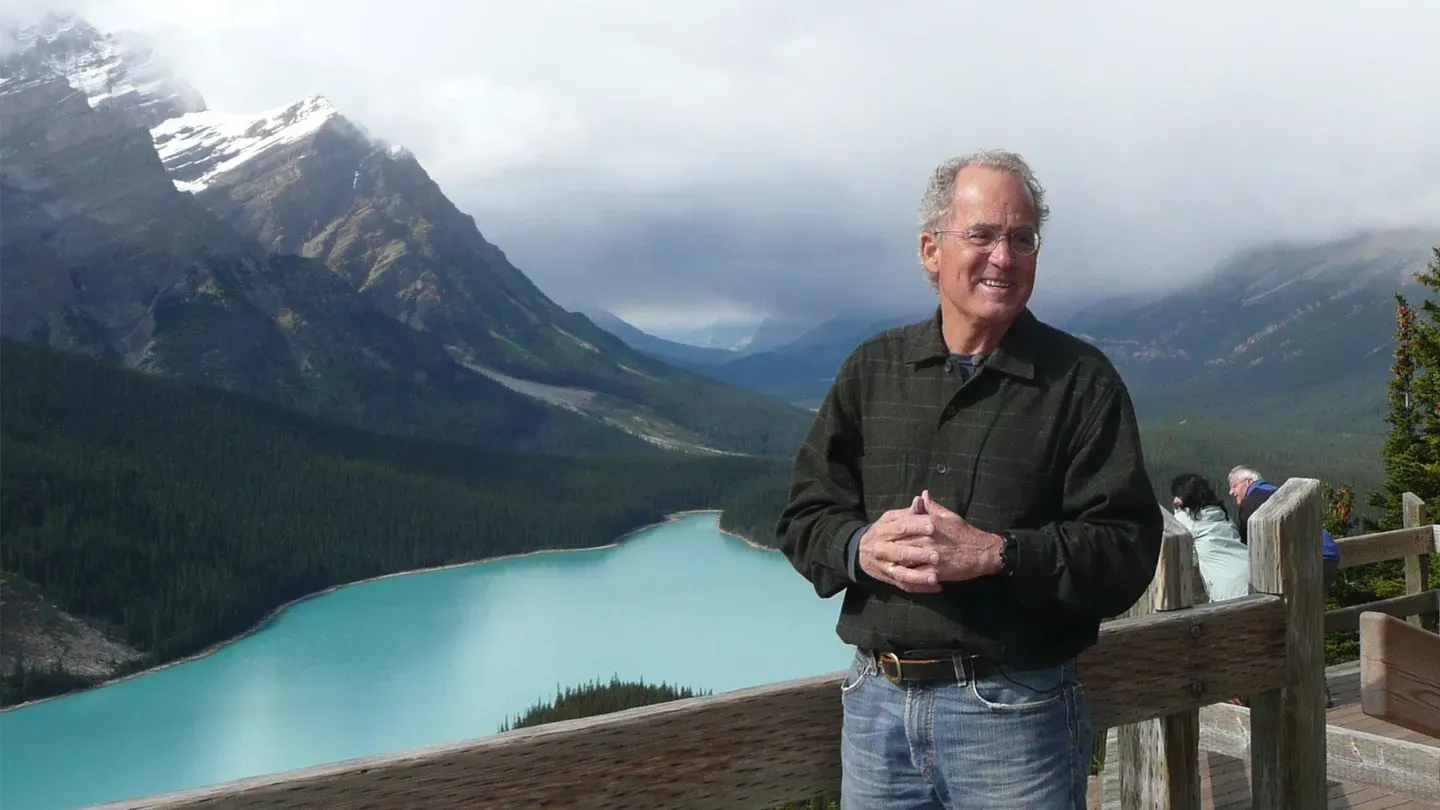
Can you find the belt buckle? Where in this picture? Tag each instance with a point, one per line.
(893, 658)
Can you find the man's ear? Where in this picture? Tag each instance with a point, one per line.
(929, 251)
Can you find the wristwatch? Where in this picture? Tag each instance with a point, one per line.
(1008, 551)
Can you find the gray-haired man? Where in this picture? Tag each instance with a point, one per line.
(974, 483)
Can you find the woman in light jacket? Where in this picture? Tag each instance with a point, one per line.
(1224, 560)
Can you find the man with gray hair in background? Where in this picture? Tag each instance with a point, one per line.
(1250, 490)
(974, 484)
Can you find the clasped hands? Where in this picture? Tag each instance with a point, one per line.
(918, 548)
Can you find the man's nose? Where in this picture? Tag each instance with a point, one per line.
(1000, 255)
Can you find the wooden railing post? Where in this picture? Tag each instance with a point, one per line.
(1160, 758)
(1417, 566)
(1287, 725)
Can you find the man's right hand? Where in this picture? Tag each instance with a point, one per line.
(905, 566)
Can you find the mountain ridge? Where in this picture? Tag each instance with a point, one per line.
(303, 180)
(103, 255)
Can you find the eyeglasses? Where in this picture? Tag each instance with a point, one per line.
(1023, 242)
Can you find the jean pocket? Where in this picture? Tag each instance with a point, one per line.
(860, 672)
(1013, 689)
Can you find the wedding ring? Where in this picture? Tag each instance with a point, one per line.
(891, 569)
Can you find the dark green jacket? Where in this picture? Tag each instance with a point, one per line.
(1041, 441)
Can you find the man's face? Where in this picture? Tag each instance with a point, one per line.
(1238, 488)
(984, 287)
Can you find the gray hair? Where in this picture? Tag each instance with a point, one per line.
(937, 206)
(1242, 473)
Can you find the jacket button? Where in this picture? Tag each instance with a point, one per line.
(941, 468)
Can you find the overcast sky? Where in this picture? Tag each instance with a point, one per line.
(675, 160)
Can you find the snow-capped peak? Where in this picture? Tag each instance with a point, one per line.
(198, 147)
(112, 70)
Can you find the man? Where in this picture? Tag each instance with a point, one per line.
(974, 483)
(1250, 490)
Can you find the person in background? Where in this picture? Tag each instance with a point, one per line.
(1224, 560)
(1250, 490)
(974, 484)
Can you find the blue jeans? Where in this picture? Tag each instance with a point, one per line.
(1014, 739)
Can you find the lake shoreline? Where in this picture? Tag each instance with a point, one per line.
(273, 615)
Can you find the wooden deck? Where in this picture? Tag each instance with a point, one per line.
(1225, 779)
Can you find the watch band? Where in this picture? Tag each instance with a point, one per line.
(1008, 551)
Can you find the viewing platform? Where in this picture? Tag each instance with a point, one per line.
(1160, 679)
(1225, 772)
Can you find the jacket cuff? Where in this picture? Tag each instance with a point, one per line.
(1034, 559)
(852, 555)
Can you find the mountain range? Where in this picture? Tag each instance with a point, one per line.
(289, 255)
(1288, 336)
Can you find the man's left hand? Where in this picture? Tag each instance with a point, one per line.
(965, 551)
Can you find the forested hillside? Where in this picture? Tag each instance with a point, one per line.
(184, 515)
(1211, 448)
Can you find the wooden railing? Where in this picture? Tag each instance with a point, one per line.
(1149, 676)
(1351, 755)
(1414, 544)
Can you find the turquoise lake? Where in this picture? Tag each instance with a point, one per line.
(426, 658)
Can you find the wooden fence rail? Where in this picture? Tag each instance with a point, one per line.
(1148, 676)
(1414, 544)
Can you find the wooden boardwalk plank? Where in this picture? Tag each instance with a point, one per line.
(1225, 780)
(1225, 785)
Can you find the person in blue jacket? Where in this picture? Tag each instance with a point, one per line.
(1250, 490)
(1224, 559)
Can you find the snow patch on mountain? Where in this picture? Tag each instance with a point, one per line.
(199, 147)
(113, 70)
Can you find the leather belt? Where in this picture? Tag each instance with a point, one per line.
(916, 666)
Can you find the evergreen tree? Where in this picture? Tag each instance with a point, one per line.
(1339, 514)
(1412, 447)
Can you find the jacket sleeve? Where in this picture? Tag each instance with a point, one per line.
(826, 504)
(1099, 558)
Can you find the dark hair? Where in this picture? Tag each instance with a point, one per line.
(1194, 492)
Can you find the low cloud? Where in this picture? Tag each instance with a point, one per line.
(769, 157)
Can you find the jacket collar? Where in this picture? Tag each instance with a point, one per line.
(925, 341)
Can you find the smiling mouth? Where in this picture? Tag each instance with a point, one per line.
(996, 284)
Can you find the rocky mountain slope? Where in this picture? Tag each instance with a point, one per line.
(37, 635)
(102, 254)
(1288, 335)
(118, 73)
(293, 189)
